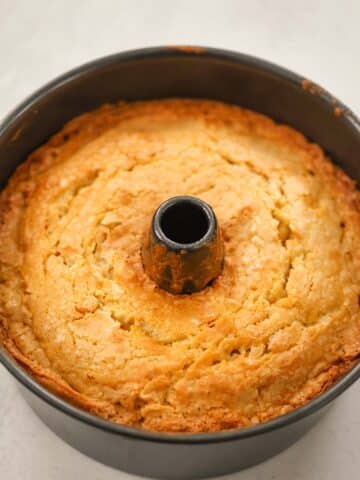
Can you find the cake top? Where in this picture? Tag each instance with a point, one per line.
(278, 326)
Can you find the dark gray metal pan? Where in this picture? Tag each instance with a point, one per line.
(178, 72)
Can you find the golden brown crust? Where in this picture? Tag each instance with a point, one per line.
(279, 325)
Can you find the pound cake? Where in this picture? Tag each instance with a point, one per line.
(277, 327)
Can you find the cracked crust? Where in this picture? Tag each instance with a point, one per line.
(278, 326)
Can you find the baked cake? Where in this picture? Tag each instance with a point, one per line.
(278, 326)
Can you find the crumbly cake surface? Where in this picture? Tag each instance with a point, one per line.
(276, 328)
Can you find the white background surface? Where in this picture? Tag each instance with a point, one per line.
(40, 39)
